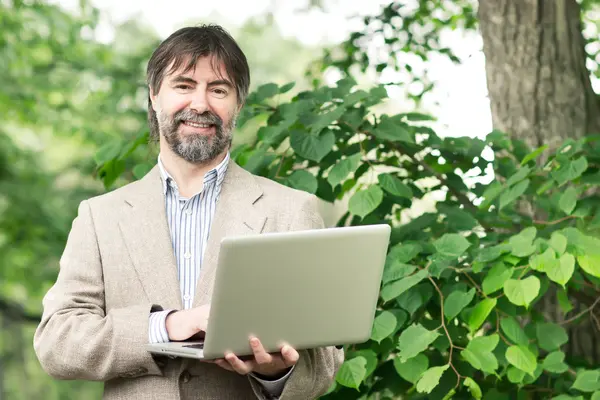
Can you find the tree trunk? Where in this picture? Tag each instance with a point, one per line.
(540, 91)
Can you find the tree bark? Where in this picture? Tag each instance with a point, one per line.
(539, 86)
(540, 91)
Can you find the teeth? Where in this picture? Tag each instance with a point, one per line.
(196, 125)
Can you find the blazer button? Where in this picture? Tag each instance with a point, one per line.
(186, 376)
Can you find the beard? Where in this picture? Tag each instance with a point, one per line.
(196, 148)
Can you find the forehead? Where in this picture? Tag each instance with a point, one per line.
(204, 68)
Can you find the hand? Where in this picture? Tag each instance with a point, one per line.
(267, 364)
(184, 324)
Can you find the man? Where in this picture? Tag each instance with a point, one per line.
(139, 263)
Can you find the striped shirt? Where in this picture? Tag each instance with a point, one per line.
(189, 221)
(189, 224)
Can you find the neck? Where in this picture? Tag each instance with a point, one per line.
(188, 176)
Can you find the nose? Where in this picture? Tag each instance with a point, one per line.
(199, 102)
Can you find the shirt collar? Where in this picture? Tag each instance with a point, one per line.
(217, 172)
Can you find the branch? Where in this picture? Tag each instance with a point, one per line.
(452, 346)
(16, 312)
(590, 309)
(558, 221)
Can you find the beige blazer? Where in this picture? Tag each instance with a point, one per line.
(118, 266)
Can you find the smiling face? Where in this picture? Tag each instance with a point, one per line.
(196, 111)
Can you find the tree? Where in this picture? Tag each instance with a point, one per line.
(540, 92)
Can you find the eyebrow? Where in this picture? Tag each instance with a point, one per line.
(185, 79)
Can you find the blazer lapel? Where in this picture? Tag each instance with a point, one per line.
(146, 233)
(236, 214)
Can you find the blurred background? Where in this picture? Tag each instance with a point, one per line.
(72, 79)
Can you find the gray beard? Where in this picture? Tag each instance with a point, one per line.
(196, 149)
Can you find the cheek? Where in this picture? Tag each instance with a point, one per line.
(173, 103)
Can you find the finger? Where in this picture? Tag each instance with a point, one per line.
(224, 364)
(239, 366)
(290, 355)
(260, 355)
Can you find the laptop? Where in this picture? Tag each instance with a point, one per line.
(309, 289)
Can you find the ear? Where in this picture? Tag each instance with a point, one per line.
(152, 98)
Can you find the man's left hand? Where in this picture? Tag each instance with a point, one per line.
(269, 365)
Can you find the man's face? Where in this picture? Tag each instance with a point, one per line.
(196, 112)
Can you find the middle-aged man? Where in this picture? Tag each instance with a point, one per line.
(139, 263)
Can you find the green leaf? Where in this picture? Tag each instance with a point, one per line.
(394, 131)
(534, 154)
(324, 120)
(474, 388)
(551, 336)
(480, 313)
(430, 379)
(522, 292)
(554, 363)
(140, 170)
(456, 301)
(412, 369)
(355, 97)
(562, 271)
(596, 396)
(383, 326)
(496, 278)
(394, 186)
(287, 87)
(312, 147)
(563, 300)
(522, 358)
(479, 353)
(396, 270)
(364, 202)
(303, 180)
(371, 358)
(567, 397)
(451, 245)
(266, 91)
(587, 381)
(515, 375)
(513, 193)
(568, 200)
(544, 262)
(522, 243)
(352, 372)
(414, 340)
(405, 252)
(558, 242)
(342, 169)
(513, 331)
(521, 174)
(108, 151)
(570, 170)
(490, 194)
(395, 289)
(590, 264)
(491, 253)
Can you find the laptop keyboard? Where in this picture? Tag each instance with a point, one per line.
(195, 346)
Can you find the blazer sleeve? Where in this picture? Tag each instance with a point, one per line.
(77, 338)
(316, 369)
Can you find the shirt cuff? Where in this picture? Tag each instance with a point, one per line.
(274, 388)
(157, 327)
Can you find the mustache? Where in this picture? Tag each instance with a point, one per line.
(206, 117)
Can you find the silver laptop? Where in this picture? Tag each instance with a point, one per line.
(306, 288)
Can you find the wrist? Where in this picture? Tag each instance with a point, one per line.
(170, 323)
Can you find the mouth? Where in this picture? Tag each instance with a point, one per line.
(199, 127)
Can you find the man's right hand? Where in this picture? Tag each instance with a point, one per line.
(182, 325)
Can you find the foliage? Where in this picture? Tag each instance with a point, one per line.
(460, 282)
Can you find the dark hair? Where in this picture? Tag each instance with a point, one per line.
(189, 44)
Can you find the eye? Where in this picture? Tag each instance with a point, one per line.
(184, 87)
(219, 92)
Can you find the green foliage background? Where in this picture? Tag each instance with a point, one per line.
(457, 312)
